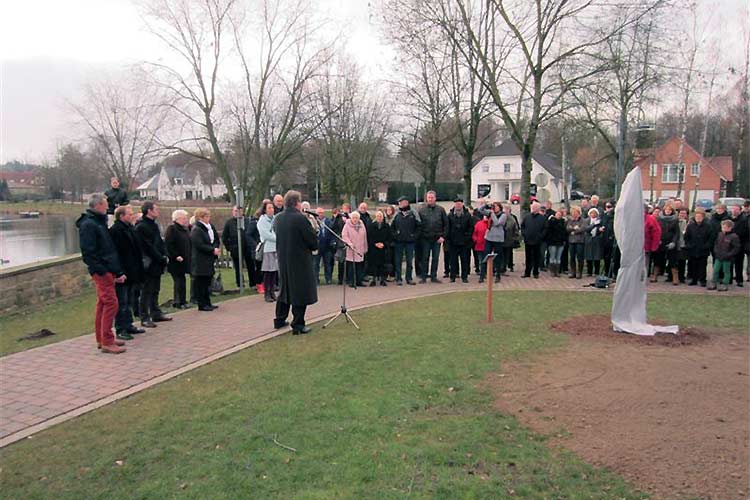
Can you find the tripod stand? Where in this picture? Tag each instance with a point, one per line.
(343, 312)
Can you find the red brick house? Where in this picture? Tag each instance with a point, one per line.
(20, 183)
(659, 172)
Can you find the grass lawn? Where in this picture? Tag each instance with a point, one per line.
(74, 317)
(395, 410)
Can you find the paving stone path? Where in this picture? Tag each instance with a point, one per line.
(48, 385)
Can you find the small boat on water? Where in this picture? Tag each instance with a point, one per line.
(29, 215)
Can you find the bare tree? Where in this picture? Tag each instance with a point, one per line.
(532, 55)
(274, 112)
(423, 86)
(354, 132)
(122, 116)
(616, 97)
(195, 33)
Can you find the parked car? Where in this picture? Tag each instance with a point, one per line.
(730, 202)
(660, 202)
(705, 204)
(516, 198)
(577, 195)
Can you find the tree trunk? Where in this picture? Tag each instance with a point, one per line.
(468, 160)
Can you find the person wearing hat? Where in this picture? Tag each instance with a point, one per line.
(405, 230)
(459, 240)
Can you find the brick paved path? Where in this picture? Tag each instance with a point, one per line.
(50, 384)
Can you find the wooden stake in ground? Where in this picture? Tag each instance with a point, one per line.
(488, 276)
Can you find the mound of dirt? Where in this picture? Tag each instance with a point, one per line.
(599, 327)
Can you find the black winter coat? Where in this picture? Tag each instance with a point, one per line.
(97, 249)
(229, 236)
(405, 227)
(202, 250)
(129, 252)
(115, 198)
(152, 246)
(608, 221)
(378, 233)
(460, 228)
(670, 231)
(296, 240)
(699, 239)
(742, 229)
(534, 228)
(252, 236)
(177, 241)
(557, 234)
(434, 222)
(716, 219)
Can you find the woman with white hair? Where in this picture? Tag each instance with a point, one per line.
(592, 243)
(177, 240)
(355, 234)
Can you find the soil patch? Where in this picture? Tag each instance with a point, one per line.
(599, 327)
(674, 422)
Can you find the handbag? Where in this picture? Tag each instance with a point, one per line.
(259, 252)
(217, 285)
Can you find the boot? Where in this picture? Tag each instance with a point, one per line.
(711, 286)
(654, 274)
(723, 288)
(572, 273)
(675, 280)
(268, 295)
(579, 274)
(554, 268)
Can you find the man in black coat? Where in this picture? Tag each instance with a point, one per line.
(154, 261)
(432, 235)
(295, 242)
(533, 227)
(339, 220)
(116, 196)
(742, 230)
(100, 255)
(405, 229)
(232, 243)
(125, 240)
(458, 235)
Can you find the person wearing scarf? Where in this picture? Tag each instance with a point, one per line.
(355, 234)
(592, 244)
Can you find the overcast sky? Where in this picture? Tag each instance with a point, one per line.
(48, 48)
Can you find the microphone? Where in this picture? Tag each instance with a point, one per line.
(310, 212)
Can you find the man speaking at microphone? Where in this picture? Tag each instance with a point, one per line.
(295, 242)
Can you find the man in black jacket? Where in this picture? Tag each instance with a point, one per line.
(458, 235)
(533, 229)
(125, 241)
(295, 241)
(232, 243)
(100, 256)
(154, 261)
(432, 235)
(116, 196)
(405, 229)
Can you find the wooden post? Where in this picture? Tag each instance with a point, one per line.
(488, 277)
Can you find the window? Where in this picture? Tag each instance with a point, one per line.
(178, 181)
(672, 173)
(506, 168)
(695, 169)
(652, 172)
(485, 168)
(507, 192)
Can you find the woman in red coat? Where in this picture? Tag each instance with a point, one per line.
(652, 236)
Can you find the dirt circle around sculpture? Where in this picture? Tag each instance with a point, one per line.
(670, 413)
(599, 327)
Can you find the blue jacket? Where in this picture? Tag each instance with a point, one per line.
(97, 249)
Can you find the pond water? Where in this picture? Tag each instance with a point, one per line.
(23, 241)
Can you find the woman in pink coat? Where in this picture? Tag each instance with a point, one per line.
(355, 234)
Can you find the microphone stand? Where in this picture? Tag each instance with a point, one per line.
(343, 312)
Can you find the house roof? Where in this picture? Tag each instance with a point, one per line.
(150, 185)
(19, 177)
(509, 148)
(397, 170)
(722, 165)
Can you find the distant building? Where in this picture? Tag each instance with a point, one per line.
(21, 183)
(660, 172)
(497, 175)
(183, 179)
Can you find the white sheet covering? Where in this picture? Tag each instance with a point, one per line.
(629, 302)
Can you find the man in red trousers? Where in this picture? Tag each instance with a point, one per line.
(100, 255)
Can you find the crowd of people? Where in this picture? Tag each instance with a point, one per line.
(400, 244)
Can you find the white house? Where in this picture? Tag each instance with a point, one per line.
(497, 176)
(182, 183)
